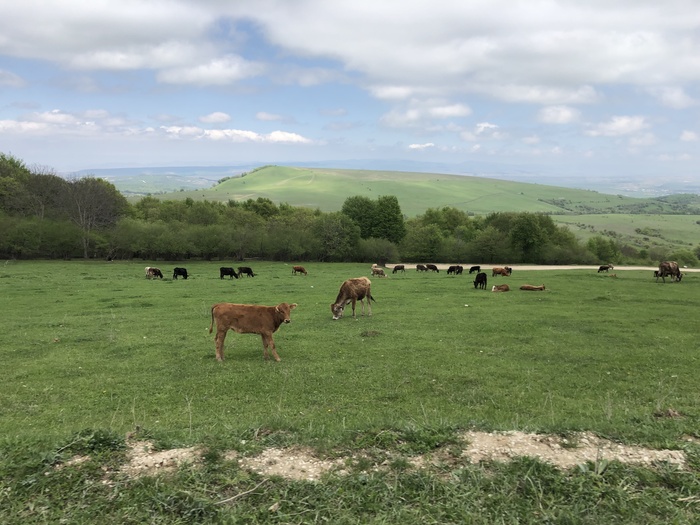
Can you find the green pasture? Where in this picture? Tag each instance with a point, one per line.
(92, 351)
(97, 345)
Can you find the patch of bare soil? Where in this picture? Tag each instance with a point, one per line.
(300, 463)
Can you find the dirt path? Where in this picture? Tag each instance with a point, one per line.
(528, 267)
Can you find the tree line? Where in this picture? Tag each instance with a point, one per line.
(43, 215)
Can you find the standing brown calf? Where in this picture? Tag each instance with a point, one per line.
(249, 319)
(353, 290)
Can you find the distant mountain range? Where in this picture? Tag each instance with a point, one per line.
(165, 179)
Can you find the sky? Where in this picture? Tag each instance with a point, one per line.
(605, 88)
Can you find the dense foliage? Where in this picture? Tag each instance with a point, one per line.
(45, 216)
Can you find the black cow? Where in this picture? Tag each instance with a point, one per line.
(605, 268)
(399, 268)
(476, 269)
(181, 272)
(245, 270)
(455, 269)
(480, 281)
(224, 271)
(432, 267)
(421, 268)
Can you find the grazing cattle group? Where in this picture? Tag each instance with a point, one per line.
(351, 291)
(249, 319)
(299, 269)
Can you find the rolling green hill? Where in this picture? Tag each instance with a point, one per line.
(670, 221)
(327, 189)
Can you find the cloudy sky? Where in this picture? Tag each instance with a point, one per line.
(610, 87)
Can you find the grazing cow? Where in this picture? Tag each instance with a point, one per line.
(249, 319)
(152, 272)
(505, 271)
(432, 268)
(500, 288)
(399, 268)
(669, 268)
(182, 272)
(532, 287)
(605, 268)
(421, 268)
(456, 269)
(480, 281)
(351, 291)
(476, 269)
(245, 270)
(376, 270)
(224, 271)
(299, 269)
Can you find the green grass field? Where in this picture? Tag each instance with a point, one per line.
(94, 345)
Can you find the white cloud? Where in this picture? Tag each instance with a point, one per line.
(420, 113)
(619, 125)
(9, 79)
(558, 115)
(689, 136)
(217, 72)
(673, 97)
(427, 145)
(218, 117)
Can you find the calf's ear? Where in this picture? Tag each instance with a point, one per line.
(293, 306)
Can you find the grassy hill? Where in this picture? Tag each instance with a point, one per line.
(670, 221)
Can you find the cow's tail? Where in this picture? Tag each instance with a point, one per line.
(371, 297)
(211, 326)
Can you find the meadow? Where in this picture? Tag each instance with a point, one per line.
(95, 345)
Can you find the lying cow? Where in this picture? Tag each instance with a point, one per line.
(476, 269)
(181, 272)
(249, 319)
(421, 268)
(224, 271)
(480, 281)
(432, 268)
(500, 288)
(379, 272)
(505, 271)
(605, 268)
(532, 287)
(299, 269)
(245, 270)
(399, 268)
(351, 291)
(455, 269)
(152, 272)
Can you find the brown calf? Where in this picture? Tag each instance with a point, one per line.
(500, 288)
(532, 287)
(152, 272)
(376, 270)
(353, 290)
(298, 269)
(249, 319)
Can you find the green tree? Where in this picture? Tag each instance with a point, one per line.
(422, 243)
(337, 237)
(606, 250)
(388, 220)
(362, 210)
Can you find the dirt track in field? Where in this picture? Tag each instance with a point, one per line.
(528, 267)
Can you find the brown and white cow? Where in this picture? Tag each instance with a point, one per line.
(351, 291)
(152, 272)
(532, 287)
(669, 268)
(505, 271)
(376, 270)
(249, 319)
(298, 269)
(500, 288)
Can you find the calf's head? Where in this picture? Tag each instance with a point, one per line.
(283, 310)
